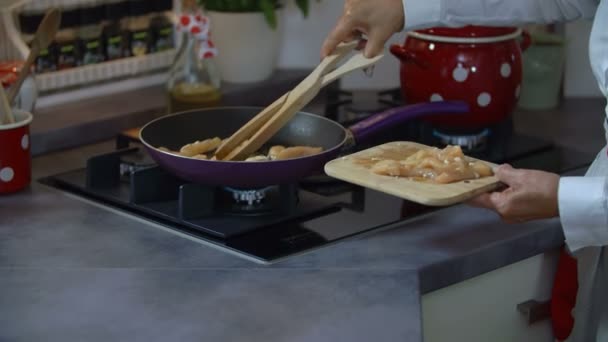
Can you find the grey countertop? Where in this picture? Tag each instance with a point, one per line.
(73, 271)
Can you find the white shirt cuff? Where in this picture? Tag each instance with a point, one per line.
(583, 211)
(421, 14)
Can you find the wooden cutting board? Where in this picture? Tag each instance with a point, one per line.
(355, 168)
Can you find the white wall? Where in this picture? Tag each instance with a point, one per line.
(303, 39)
(579, 80)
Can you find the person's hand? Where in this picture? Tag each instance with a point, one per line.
(530, 195)
(377, 19)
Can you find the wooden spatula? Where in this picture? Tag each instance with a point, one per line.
(42, 39)
(229, 148)
(261, 128)
(5, 107)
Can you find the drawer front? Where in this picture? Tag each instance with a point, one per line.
(496, 306)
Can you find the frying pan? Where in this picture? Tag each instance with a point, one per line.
(176, 130)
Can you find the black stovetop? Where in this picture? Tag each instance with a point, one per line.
(277, 222)
(291, 219)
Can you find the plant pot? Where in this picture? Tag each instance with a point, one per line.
(480, 65)
(248, 47)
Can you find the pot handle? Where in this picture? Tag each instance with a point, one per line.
(407, 56)
(526, 40)
(394, 116)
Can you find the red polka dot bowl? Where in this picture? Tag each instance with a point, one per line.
(476, 64)
(15, 156)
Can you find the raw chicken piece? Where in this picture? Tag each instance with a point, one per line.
(298, 152)
(200, 147)
(387, 168)
(274, 151)
(257, 159)
(439, 166)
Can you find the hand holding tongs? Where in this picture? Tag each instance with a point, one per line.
(253, 135)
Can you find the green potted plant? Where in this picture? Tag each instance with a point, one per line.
(247, 34)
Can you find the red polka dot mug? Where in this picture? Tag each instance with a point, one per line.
(480, 65)
(15, 156)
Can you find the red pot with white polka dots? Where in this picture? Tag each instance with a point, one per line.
(479, 65)
(15, 157)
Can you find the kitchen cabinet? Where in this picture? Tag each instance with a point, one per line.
(484, 308)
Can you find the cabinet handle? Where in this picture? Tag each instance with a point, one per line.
(535, 311)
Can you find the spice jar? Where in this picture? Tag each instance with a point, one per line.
(194, 79)
(89, 34)
(67, 44)
(116, 40)
(139, 27)
(162, 27)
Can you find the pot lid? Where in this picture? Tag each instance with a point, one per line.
(469, 31)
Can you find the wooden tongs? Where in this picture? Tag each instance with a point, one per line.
(255, 133)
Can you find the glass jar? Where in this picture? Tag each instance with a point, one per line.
(68, 50)
(115, 37)
(140, 36)
(194, 78)
(162, 27)
(89, 33)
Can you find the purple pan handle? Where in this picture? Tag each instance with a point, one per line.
(376, 123)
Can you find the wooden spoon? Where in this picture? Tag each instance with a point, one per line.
(358, 61)
(262, 127)
(6, 108)
(239, 140)
(42, 39)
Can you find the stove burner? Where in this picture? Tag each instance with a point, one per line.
(250, 197)
(134, 162)
(468, 142)
(271, 200)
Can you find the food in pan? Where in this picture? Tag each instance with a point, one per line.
(203, 149)
(279, 152)
(434, 165)
(200, 147)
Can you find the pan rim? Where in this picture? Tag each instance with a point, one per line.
(331, 150)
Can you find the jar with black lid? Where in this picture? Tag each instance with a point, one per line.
(68, 48)
(115, 34)
(89, 32)
(162, 27)
(140, 37)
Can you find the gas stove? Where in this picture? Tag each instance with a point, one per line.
(276, 222)
(264, 224)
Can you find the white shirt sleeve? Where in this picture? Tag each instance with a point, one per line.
(420, 14)
(583, 211)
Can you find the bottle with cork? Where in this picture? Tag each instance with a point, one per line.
(194, 79)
